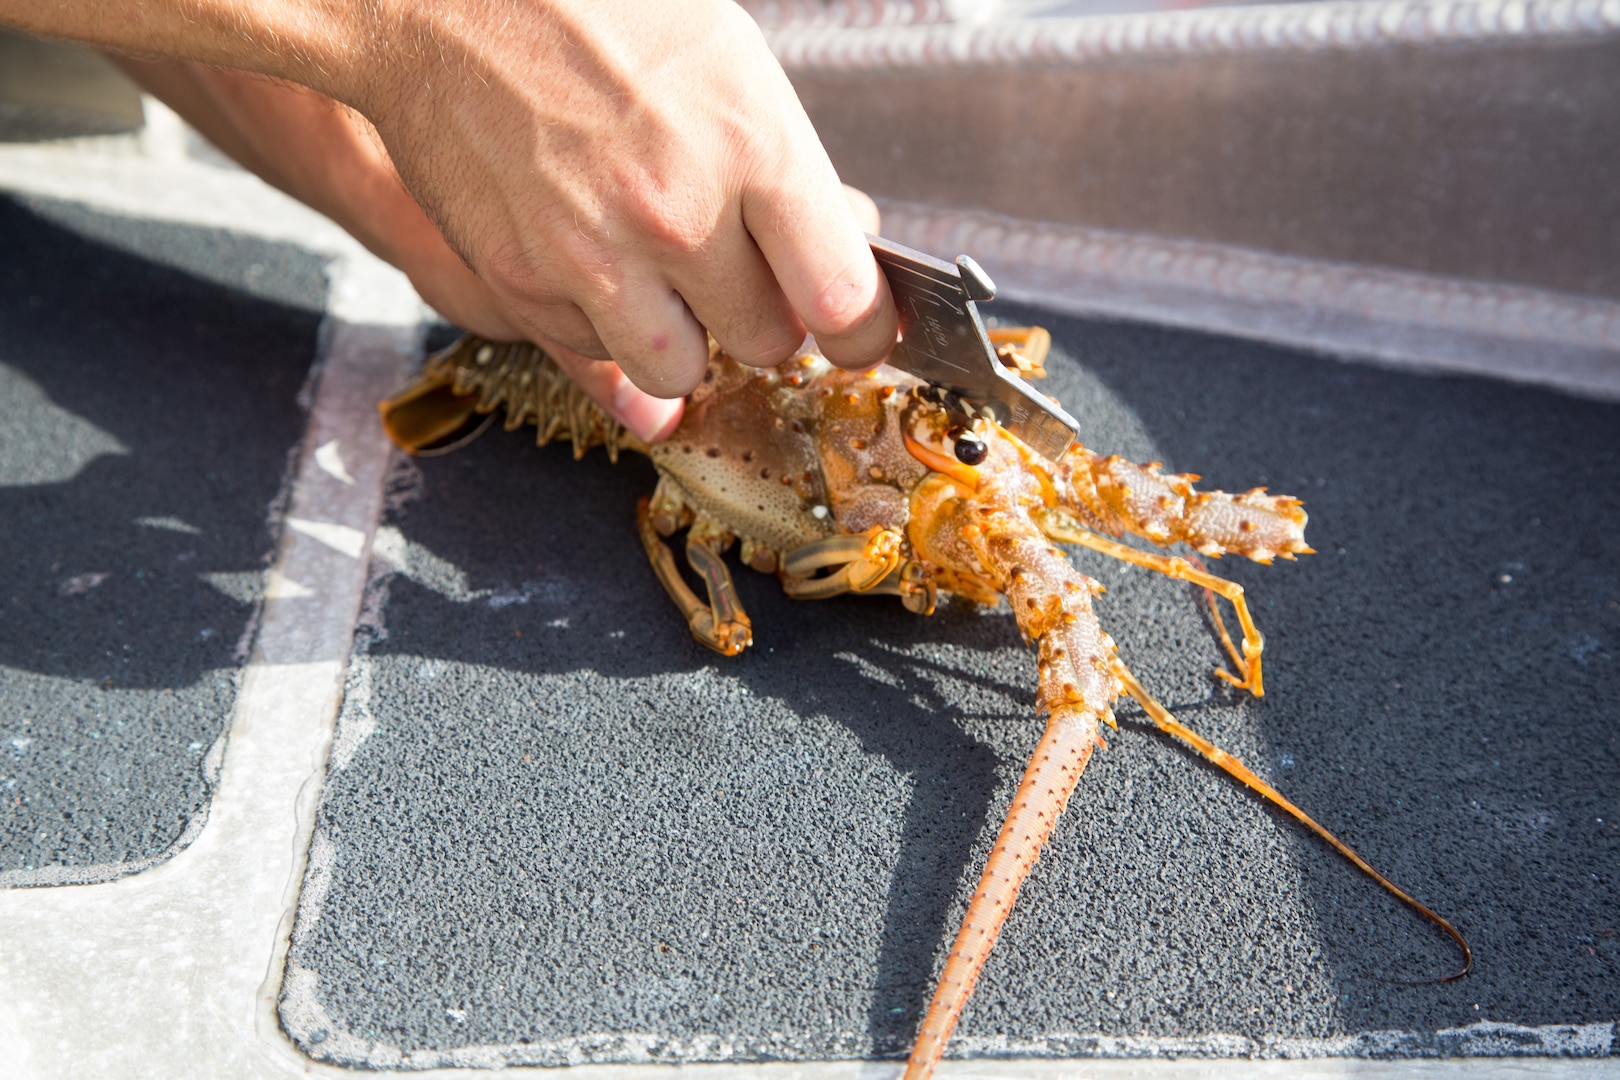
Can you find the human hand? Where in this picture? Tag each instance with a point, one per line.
(622, 176)
(618, 174)
(330, 157)
(654, 418)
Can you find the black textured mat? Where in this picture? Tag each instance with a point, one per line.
(556, 829)
(148, 414)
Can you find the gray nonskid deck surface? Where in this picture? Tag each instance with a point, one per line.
(146, 415)
(556, 829)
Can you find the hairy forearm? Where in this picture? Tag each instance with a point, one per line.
(320, 43)
(184, 87)
(304, 143)
(328, 156)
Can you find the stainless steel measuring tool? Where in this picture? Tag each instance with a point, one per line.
(942, 339)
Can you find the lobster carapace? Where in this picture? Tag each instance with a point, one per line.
(874, 482)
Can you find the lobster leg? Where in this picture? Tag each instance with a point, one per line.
(915, 587)
(863, 561)
(1254, 642)
(1022, 348)
(721, 624)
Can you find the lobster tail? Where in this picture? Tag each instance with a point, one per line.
(479, 376)
(429, 410)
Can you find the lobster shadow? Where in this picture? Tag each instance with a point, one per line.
(564, 594)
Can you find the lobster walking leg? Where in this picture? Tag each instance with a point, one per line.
(721, 624)
(862, 560)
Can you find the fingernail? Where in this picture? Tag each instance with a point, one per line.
(648, 418)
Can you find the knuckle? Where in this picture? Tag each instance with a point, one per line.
(566, 325)
(663, 376)
(665, 214)
(530, 292)
(842, 307)
(527, 284)
(763, 331)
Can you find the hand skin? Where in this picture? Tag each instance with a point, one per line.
(618, 175)
(329, 157)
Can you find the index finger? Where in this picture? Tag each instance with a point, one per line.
(819, 254)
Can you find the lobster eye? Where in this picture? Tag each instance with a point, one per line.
(970, 449)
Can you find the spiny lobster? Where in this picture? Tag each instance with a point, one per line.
(875, 482)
